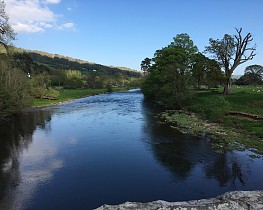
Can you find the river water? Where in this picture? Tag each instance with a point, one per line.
(110, 149)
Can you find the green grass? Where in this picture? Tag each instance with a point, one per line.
(243, 99)
(246, 99)
(228, 131)
(70, 94)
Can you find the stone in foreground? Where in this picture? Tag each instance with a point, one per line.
(237, 200)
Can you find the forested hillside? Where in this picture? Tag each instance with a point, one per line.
(72, 73)
(66, 63)
(61, 62)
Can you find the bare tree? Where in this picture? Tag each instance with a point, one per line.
(231, 51)
(6, 32)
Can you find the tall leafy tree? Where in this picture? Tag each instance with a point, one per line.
(168, 80)
(230, 52)
(199, 69)
(206, 71)
(184, 41)
(214, 75)
(14, 87)
(145, 65)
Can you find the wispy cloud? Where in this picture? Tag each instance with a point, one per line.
(67, 26)
(53, 1)
(31, 16)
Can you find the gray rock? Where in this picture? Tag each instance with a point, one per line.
(237, 200)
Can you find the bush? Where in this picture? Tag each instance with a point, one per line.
(216, 109)
(52, 93)
(109, 88)
(14, 90)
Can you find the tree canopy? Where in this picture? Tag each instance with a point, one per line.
(253, 76)
(168, 80)
(205, 71)
(145, 65)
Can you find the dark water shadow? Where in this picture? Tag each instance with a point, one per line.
(15, 137)
(181, 153)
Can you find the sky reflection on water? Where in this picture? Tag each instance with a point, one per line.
(110, 149)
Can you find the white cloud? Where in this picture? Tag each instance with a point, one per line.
(45, 25)
(53, 1)
(27, 28)
(69, 8)
(67, 26)
(31, 16)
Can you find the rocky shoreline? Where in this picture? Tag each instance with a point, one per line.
(237, 200)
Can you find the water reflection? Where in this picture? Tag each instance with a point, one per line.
(183, 155)
(237, 174)
(16, 135)
(219, 169)
(109, 149)
(171, 148)
(16, 138)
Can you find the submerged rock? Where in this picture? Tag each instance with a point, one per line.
(237, 200)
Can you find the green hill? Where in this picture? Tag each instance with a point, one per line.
(55, 61)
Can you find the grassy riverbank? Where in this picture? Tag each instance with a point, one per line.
(232, 122)
(70, 94)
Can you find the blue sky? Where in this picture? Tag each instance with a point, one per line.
(124, 32)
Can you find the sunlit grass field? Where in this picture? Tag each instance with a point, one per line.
(244, 99)
(247, 99)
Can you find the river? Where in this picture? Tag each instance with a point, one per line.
(108, 149)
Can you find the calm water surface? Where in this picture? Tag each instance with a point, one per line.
(111, 149)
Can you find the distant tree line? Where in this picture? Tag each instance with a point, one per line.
(66, 64)
(253, 75)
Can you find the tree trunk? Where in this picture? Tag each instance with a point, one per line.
(227, 90)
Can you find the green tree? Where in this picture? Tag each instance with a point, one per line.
(244, 80)
(230, 52)
(40, 84)
(145, 65)
(168, 80)
(74, 79)
(214, 75)
(256, 73)
(14, 88)
(58, 77)
(253, 76)
(184, 41)
(199, 69)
